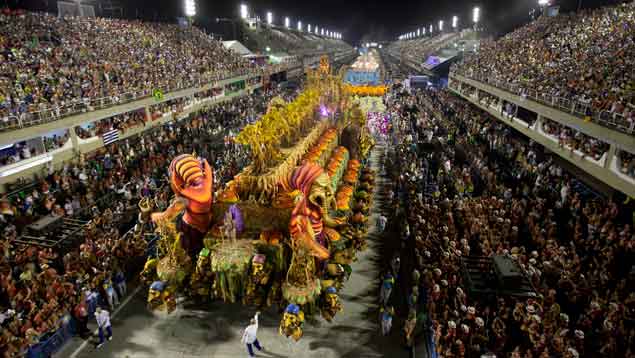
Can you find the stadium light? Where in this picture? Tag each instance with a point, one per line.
(316, 30)
(308, 28)
(190, 8)
(321, 32)
(299, 25)
(431, 29)
(418, 32)
(244, 12)
(476, 15)
(455, 21)
(287, 22)
(543, 2)
(423, 31)
(440, 25)
(269, 18)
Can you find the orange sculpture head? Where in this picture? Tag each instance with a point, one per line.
(191, 178)
(311, 211)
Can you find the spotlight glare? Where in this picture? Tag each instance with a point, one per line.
(190, 8)
(476, 15)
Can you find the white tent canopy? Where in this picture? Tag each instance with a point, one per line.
(237, 47)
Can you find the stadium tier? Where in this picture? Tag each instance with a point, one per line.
(580, 63)
(426, 53)
(281, 41)
(54, 67)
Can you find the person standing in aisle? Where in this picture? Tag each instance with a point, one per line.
(250, 336)
(103, 322)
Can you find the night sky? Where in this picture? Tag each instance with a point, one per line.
(357, 20)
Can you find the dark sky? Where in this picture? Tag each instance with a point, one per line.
(357, 20)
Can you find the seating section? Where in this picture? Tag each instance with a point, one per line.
(485, 191)
(582, 60)
(418, 50)
(291, 42)
(47, 62)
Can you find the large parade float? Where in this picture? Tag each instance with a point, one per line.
(283, 232)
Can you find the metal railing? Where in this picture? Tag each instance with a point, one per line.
(78, 106)
(575, 107)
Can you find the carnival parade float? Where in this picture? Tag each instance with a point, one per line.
(287, 228)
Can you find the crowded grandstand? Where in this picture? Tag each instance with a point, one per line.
(445, 193)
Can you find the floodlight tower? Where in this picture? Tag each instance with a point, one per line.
(476, 16)
(544, 4)
(190, 8)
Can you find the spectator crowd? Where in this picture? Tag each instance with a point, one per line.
(584, 57)
(49, 62)
(507, 198)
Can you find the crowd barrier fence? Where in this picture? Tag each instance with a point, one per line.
(577, 108)
(77, 106)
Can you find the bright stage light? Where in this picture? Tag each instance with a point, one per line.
(269, 18)
(476, 15)
(287, 22)
(190, 8)
(299, 25)
(244, 13)
(440, 25)
(455, 21)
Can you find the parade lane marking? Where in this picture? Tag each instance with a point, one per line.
(122, 305)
